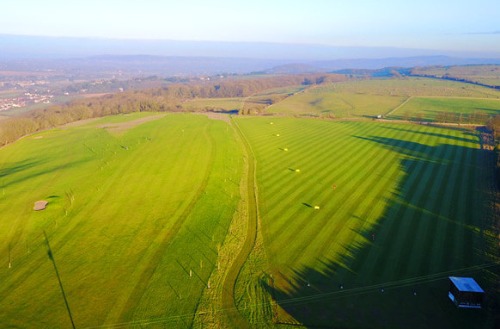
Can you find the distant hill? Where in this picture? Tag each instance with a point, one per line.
(357, 65)
(108, 57)
(15, 47)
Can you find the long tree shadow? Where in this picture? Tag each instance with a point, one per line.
(16, 167)
(432, 228)
(464, 139)
(30, 167)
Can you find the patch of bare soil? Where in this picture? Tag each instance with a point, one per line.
(78, 123)
(94, 95)
(218, 116)
(40, 205)
(122, 127)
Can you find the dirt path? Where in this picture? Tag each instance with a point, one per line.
(235, 319)
(122, 127)
(398, 107)
(218, 116)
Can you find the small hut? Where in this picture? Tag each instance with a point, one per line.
(465, 292)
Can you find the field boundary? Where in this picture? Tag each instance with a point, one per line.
(399, 106)
(228, 286)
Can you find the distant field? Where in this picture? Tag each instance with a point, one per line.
(286, 90)
(415, 87)
(400, 207)
(487, 74)
(368, 98)
(464, 110)
(226, 104)
(135, 217)
(327, 102)
(229, 104)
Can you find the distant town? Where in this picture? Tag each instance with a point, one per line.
(26, 99)
(22, 92)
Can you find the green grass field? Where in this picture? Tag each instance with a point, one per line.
(401, 207)
(487, 74)
(332, 104)
(369, 98)
(135, 215)
(464, 110)
(359, 224)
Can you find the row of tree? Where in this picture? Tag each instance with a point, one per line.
(475, 117)
(164, 99)
(452, 78)
(494, 127)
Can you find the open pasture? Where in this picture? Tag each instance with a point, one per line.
(487, 74)
(368, 98)
(458, 110)
(236, 103)
(362, 222)
(134, 219)
(282, 91)
(328, 102)
(226, 104)
(410, 86)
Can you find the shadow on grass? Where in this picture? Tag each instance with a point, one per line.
(16, 167)
(470, 137)
(33, 169)
(398, 278)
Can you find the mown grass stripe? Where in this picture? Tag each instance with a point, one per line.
(398, 225)
(432, 214)
(372, 203)
(418, 239)
(296, 188)
(442, 210)
(375, 209)
(346, 196)
(361, 190)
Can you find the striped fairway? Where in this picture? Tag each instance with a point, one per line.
(406, 211)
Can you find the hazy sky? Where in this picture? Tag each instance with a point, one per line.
(431, 24)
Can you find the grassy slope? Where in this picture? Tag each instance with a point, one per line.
(429, 108)
(487, 74)
(328, 102)
(407, 206)
(372, 97)
(149, 205)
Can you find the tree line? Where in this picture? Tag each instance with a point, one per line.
(452, 78)
(166, 99)
(494, 127)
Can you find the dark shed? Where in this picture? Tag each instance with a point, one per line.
(465, 292)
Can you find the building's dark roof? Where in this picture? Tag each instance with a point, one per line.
(466, 284)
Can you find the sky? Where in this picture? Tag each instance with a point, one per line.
(456, 25)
